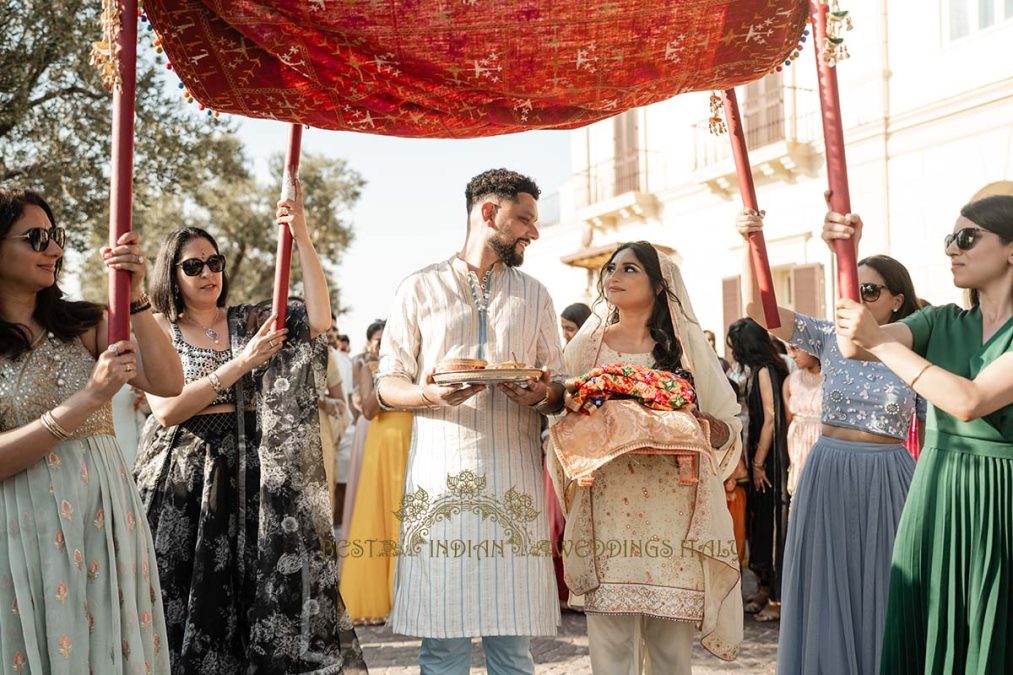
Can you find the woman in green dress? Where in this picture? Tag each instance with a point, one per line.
(951, 584)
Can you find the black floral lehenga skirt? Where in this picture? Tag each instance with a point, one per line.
(238, 509)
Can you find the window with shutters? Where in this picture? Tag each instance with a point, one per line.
(962, 18)
(731, 300)
(627, 156)
(763, 111)
(807, 291)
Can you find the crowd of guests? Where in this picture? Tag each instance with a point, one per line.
(285, 490)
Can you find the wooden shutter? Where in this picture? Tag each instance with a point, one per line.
(763, 111)
(807, 290)
(627, 156)
(731, 301)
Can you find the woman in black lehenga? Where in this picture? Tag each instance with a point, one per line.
(231, 473)
(767, 453)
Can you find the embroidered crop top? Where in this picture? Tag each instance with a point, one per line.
(42, 378)
(863, 395)
(200, 362)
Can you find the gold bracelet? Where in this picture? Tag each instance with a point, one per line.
(426, 403)
(920, 373)
(54, 427)
(140, 304)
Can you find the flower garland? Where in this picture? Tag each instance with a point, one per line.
(655, 389)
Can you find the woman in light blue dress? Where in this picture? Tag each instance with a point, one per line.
(79, 589)
(851, 492)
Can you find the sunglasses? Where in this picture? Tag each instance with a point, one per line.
(870, 292)
(194, 266)
(966, 238)
(39, 237)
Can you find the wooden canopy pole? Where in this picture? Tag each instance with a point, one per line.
(284, 255)
(121, 194)
(833, 137)
(757, 245)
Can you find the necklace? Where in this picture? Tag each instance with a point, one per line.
(480, 290)
(210, 332)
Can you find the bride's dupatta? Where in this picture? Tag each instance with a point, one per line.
(710, 534)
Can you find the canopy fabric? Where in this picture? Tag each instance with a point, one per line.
(465, 68)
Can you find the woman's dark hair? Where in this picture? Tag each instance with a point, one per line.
(897, 280)
(667, 349)
(63, 318)
(576, 313)
(752, 346)
(164, 291)
(994, 214)
(375, 328)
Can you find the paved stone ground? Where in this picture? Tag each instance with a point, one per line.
(566, 654)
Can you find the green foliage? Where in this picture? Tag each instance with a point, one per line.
(55, 123)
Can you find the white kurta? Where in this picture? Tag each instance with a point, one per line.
(474, 556)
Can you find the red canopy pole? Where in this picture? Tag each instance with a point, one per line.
(757, 246)
(284, 262)
(833, 138)
(121, 185)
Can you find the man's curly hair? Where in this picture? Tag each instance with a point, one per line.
(500, 182)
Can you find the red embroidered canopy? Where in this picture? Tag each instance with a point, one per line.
(465, 68)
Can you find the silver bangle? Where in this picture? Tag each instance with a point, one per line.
(216, 384)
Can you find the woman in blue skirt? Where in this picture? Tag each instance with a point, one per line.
(852, 489)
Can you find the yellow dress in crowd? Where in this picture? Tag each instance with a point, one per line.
(367, 577)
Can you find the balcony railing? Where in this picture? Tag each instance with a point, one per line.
(634, 172)
(765, 122)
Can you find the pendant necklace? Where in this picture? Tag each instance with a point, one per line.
(210, 332)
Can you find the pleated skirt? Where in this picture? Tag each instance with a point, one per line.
(79, 587)
(841, 532)
(951, 584)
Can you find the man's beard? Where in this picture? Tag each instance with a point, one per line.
(506, 251)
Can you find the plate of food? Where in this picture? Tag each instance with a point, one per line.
(478, 371)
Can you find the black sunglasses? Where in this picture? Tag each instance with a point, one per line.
(870, 292)
(194, 266)
(966, 238)
(39, 237)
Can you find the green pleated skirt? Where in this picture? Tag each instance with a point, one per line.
(950, 607)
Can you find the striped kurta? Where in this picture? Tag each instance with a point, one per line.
(474, 557)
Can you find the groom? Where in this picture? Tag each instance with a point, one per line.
(473, 560)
